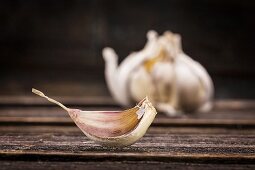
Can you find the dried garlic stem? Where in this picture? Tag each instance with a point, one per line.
(39, 93)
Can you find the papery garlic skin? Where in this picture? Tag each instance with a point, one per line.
(140, 84)
(112, 128)
(117, 78)
(174, 82)
(128, 138)
(206, 82)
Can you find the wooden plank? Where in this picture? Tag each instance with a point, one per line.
(46, 138)
(37, 132)
(25, 129)
(152, 147)
(234, 104)
(157, 122)
(45, 111)
(56, 116)
(106, 101)
(69, 101)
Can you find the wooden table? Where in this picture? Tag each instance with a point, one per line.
(35, 134)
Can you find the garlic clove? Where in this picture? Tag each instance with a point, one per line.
(165, 89)
(140, 84)
(206, 84)
(189, 87)
(112, 128)
(117, 77)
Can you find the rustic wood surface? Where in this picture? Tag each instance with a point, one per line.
(35, 134)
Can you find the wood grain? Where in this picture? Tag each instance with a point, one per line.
(40, 135)
(153, 147)
(36, 111)
(102, 101)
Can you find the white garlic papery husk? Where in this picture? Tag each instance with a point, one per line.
(162, 71)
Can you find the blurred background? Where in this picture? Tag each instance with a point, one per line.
(56, 46)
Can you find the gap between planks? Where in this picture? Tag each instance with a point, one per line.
(116, 165)
(162, 157)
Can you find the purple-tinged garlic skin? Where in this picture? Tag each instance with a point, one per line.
(111, 136)
(112, 128)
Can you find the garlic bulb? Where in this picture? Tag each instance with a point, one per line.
(174, 82)
(112, 128)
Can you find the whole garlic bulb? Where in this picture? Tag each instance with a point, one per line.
(173, 81)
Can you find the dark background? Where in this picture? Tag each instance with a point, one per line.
(56, 46)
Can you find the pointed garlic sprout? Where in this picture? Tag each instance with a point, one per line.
(112, 128)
